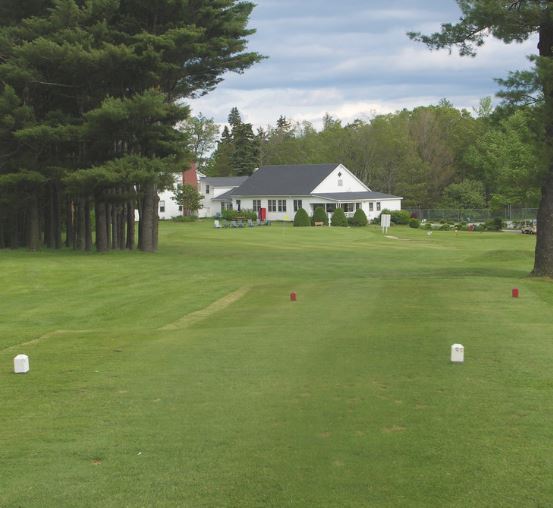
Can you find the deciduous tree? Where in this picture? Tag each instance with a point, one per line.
(515, 21)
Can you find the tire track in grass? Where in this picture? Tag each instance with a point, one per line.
(184, 321)
(199, 315)
(53, 333)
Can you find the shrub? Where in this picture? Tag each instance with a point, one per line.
(319, 215)
(301, 219)
(428, 226)
(339, 218)
(359, 218)
(233, 214)
(397, 216)
(400, 217)
(414, 223)
(445, 227)
(184, 218)
(495, 224)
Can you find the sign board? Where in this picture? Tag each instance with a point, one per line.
(385, 222)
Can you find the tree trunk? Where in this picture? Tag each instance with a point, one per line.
(69, 229)
(33, 225)
(121, 224)
(50, 229)
(543, 261)
(57, 216)
(108, 224)
(81, 225)
(148, 219)
(115, 226)
(14, 233)
(101, 227)
(130, 225)
(87, 226)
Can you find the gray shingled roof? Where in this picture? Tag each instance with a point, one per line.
(355, 196)
(225, 181)
(297, 180)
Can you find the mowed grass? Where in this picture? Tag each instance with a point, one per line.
(188, 378)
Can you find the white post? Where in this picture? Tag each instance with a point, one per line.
(21, 364)
(457, 353)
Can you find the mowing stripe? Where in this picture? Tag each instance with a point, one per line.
(199, 315)
(45, 336)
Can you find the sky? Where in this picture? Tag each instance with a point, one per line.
(352, 59)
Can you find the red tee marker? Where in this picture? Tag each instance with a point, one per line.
(293, 297)
(515, 293)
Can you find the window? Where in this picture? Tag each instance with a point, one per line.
(378, 206)
(357, 206)
(297, 204)
(238, 205)
(180, 208)
(281, 205)
(161, 206)
(348, 207)
(340, 183)
(371, 207)
(225, 206)
(272, 205)
(256, 205)
(207, 188)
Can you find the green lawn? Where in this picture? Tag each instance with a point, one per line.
(188, 378)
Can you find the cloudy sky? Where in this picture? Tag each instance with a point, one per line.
(352, 59)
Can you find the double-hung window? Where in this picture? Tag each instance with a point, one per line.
(371, 207)
(281, 205)
(272, 205)
(297, 204)
(161, 206)
(256, 205)
(378, 206)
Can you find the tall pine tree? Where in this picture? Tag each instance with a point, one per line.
(95, 91)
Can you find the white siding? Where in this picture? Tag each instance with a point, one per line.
(385, 204)
(166, 198)
(211, 208)
(331, 183)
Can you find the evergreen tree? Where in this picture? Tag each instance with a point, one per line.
(99, 89)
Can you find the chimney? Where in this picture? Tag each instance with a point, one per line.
(190, 176)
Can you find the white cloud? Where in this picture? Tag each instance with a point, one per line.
(352, 61)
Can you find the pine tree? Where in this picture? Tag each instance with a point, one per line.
(100, 87)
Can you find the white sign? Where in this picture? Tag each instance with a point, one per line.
(385, 222)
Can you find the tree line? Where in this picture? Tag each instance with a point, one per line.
(91, 97)
(433, 156)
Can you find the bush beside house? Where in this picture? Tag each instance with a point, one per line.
(359, 218)
(339, 218)
(319, 215)
(301, 219)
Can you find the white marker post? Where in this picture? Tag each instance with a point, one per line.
(457, 353)
(21, 364)
(385, 222)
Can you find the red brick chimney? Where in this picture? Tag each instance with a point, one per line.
(190, 176)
